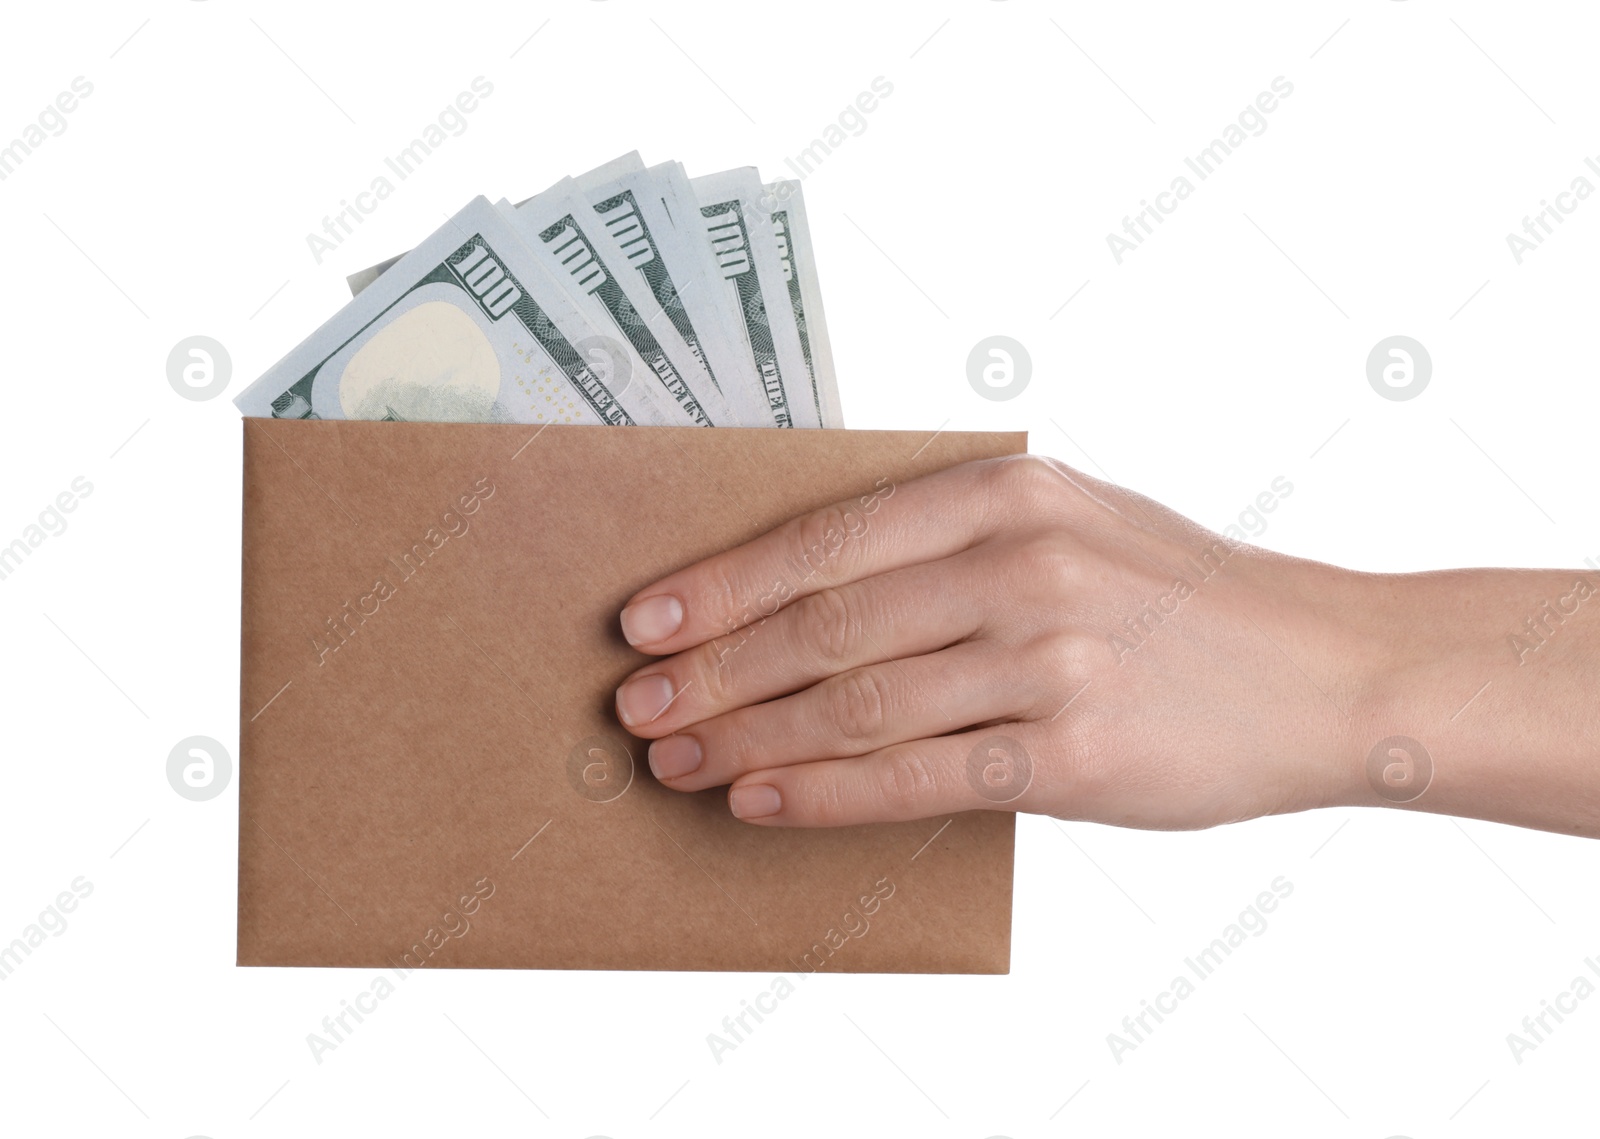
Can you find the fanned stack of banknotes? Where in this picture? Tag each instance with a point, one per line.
(630, 295)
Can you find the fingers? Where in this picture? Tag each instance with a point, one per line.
(857, 712)
(988, 768)
(887, 528)
(906, 613)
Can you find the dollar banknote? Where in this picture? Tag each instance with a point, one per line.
(693, 302)
(786, 206)
(739, 235)
(561, 229)
(466, 327)
(646, 227)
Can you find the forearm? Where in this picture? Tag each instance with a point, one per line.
(1496, 674)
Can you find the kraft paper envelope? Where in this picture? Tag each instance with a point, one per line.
(431, 772)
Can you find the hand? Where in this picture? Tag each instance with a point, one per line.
(1013, 634)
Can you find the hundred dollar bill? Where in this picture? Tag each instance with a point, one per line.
(704, 280)
(647, 230)
(740, 237)
(615, 306)
(466, 327)
(787, 207)
(560, 228)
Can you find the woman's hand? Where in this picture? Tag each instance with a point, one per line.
(1013, 634)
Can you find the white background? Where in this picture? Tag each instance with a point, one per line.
(1228, 350)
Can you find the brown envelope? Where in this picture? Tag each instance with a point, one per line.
(431, 772)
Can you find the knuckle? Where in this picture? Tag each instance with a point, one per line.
(732, 746)
(704, 675)
(1025, 480)
(859, 705)
(725, 593)
(826, 801)
(826, 626)
(823, 540)
(905, 783)
(1065, 655)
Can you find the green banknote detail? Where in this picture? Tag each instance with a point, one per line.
(725, 223)
(484, 280)
(589, 274)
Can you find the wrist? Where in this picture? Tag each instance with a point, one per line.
(1364, 673)
(1467, 708)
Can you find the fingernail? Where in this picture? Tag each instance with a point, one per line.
(641, 700)
(653, 619)
(672, 756)
(756, 801)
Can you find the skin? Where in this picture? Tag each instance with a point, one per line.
(1138, 669)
